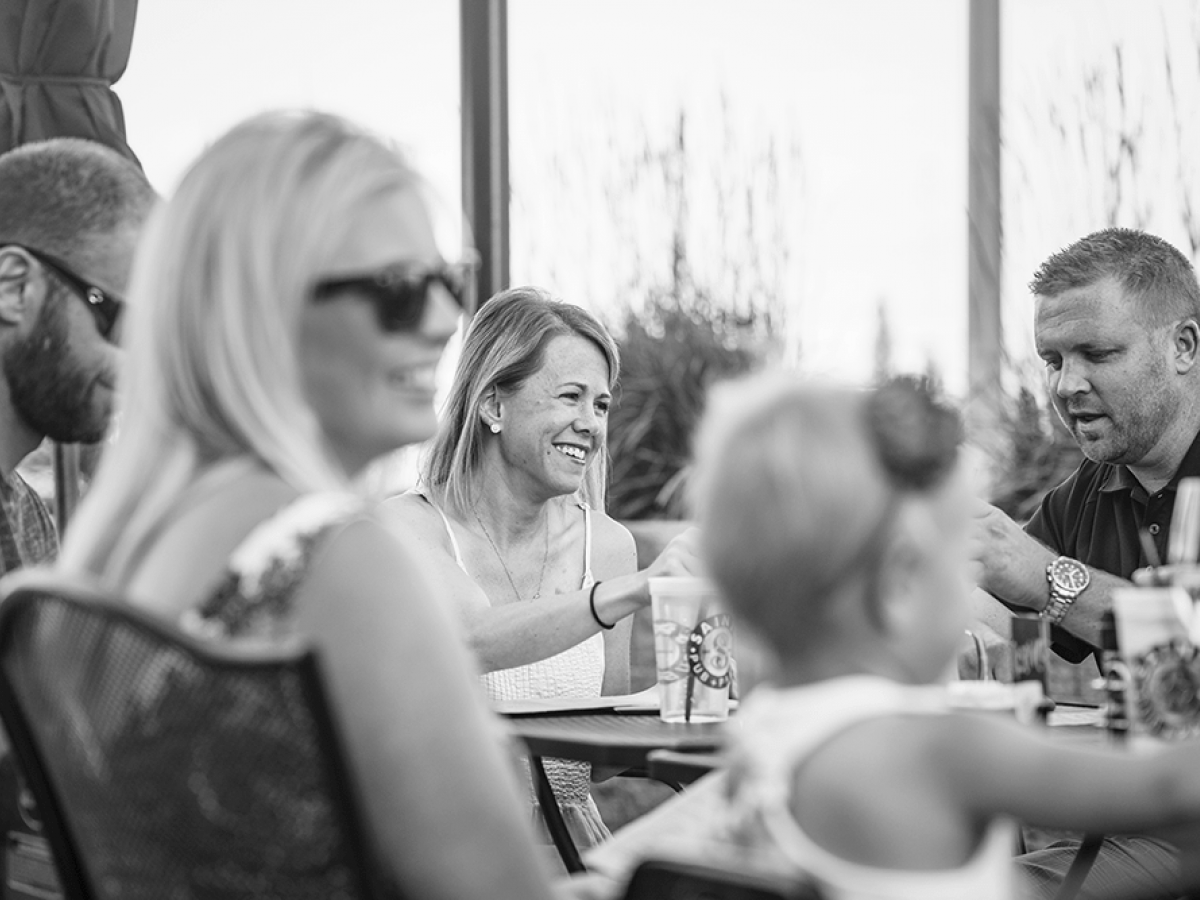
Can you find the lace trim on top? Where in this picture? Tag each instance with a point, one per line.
(256, 593)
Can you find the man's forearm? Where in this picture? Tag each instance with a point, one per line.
(1014, 567)
(1085, 613)
(1083, 617)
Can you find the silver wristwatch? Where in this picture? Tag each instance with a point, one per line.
(1068, 579)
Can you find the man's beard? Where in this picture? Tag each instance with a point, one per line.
(48, 388)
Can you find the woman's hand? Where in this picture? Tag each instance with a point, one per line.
(614, 599)
(681, 556)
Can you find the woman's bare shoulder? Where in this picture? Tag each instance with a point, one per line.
(411, 506)
(371, 547)
(417, 516)
(608, 527)
(612, 543)
(421, 525)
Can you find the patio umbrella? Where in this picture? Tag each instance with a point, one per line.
(58, 62)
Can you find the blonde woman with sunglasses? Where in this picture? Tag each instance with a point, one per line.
(287, 312)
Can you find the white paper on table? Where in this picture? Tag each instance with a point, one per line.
(640, 701)
(646, 700)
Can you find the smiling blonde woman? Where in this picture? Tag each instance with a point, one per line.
(511, 513)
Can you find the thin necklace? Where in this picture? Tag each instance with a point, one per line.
(511, 583)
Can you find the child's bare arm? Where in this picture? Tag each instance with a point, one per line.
(997, 766)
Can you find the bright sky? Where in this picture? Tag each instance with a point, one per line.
(869, 134)
(1062, 135)
(843, 122)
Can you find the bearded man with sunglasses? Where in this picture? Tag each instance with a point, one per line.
(70, 214)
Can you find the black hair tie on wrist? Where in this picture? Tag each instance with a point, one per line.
(592, 607)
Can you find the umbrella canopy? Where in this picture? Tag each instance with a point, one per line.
(58, 62)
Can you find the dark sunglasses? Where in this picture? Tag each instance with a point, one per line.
(400, 293)
(106, 306)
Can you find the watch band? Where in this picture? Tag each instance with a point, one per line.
(1056, 610)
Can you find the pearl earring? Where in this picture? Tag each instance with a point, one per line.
(495, 428)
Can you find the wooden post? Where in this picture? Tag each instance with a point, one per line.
(484, 43)
(984, 213)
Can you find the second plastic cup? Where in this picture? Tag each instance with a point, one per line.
(693, 649)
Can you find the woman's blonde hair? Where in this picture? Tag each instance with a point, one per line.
(504, 346)
(222, 274)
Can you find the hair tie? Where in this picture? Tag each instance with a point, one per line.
(592, 607)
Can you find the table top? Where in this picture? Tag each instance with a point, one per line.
(679, 767)
(609, 738)
(612, 739)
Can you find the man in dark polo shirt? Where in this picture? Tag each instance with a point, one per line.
(1118, 328)
(1117, 324)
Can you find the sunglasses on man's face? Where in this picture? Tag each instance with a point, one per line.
(105, 306)
(401, 293)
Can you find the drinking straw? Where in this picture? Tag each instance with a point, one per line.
(1148, 548)
(702, 609)
(1183, 547)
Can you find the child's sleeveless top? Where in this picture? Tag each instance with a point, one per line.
(576, 672)
(778, 730)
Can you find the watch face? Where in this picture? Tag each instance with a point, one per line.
(1069, 575)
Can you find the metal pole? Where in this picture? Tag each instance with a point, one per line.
(484, 44)
(984, 212)
(66, 484)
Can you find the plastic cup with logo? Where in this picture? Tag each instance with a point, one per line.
(1148, 618)
(1160, 662)
(1031, 649)
(693, 649)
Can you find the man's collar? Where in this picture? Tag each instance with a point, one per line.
(1119, 478)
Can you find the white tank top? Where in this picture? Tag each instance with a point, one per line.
(576, 672)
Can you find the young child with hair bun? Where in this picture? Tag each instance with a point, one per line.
(835, 522)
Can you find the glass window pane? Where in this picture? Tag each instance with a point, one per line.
(1100, 129)
(199, 66)
(806, 156)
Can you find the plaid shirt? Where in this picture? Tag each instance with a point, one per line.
(27, 534)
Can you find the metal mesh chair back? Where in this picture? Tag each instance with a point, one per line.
(169, 768)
